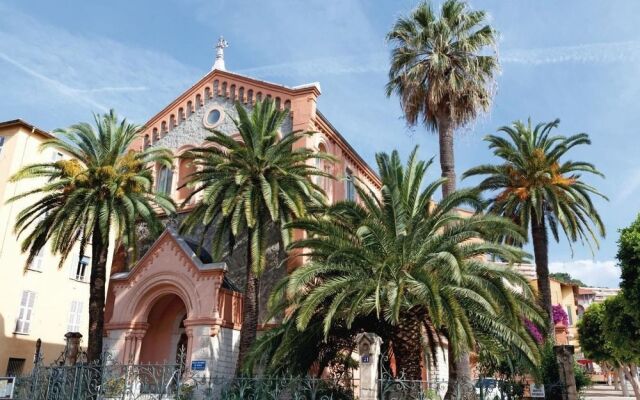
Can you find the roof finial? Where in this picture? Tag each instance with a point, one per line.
(219, 62)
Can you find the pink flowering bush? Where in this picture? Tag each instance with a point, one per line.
(560, 315)
(534, 331)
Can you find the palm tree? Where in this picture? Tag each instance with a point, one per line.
(412, 265)
(537, 187)
(102, 192)
(248, 185)
(442, 72)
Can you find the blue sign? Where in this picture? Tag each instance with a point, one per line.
(198, 365)
(365, 359)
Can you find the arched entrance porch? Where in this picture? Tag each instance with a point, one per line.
(165, 339)
(174, 297)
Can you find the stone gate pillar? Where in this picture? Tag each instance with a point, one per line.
(564, 360)
(72, 348)
(369, 352)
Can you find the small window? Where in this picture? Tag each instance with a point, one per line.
(75, 316)
(1, 143)
(570, 315)
(165, 178)
(351, 186)
(80, 269)
(23, 323)
(56, 156)
(15, 366)
(36, 263)
(213, 117)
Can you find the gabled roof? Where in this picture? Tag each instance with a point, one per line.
(210, 77)
(24, 124)
(202, 262)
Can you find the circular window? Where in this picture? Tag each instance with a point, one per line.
(213, 117)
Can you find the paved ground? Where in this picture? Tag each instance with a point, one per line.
(605, 392)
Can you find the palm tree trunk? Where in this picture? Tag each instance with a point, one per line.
(460, 384)
(405, 341)
(97, 285)
(541, 253)
(249, 329)
(447, 162)
(459, 367)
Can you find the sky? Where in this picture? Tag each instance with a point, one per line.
(577, 60)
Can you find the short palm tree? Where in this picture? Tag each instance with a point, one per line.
(246, 186)
(101, 193)
(413, 265)
(536, 186)
(442, 71)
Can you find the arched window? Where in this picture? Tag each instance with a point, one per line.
(250, 96)
(165, 178)
(198, 101)
(241, 94)
(207, 93)
(233, 92)
(155, 137)
(147, 142)
(278, 103)
(189, 108)
(181, 115)
(172, 121)
(350, 189)
(185, 168)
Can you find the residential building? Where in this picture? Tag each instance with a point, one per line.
(42, 300)
(563, 294)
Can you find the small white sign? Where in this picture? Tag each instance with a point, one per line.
(6, 387)
(536, 390)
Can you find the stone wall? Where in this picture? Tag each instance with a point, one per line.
(225, 352)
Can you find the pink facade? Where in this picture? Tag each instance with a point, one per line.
(170, 298)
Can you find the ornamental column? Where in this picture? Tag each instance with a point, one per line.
(369, 352)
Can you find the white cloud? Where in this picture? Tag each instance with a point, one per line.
(77, 74)
(629, 186)
(378, 61)
(591, 272)
(587, 53)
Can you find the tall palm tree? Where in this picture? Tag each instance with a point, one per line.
(248, 185)
(536, 186)
(101, 193)
(442, 72)
(413, 265)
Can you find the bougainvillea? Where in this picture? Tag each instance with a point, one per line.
(534, 331)
(560, 315)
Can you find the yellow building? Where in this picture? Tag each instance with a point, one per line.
(42, 301)
(565, 295)
(561, 293)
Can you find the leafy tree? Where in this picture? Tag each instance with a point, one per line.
(414, 267)
(103, 191)
(537, 187)
(248, 185)
(609, 334)
(442, 72)
(566, 278)
(629, 260)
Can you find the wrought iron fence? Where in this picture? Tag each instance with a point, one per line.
(109, 380)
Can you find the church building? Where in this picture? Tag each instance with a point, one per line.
(173, 298)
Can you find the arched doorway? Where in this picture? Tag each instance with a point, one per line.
(165, 334)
